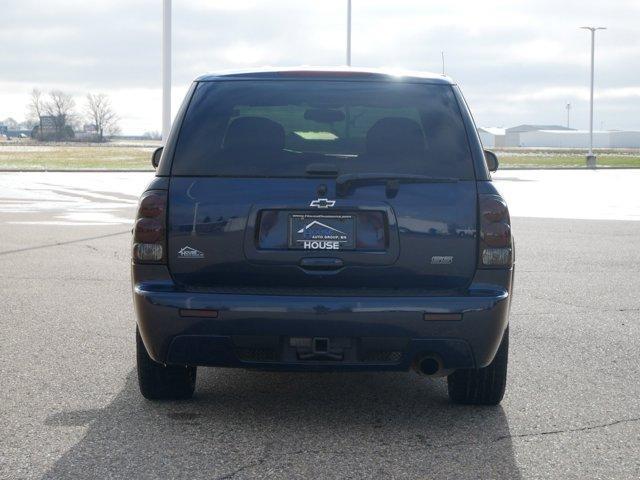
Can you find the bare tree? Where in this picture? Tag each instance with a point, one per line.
(60, 106)
(36, 108)
(10, 123)
(153, 135)
(101, 115)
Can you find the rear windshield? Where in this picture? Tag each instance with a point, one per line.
(293, 128)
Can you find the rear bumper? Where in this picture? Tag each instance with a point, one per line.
(385, 333)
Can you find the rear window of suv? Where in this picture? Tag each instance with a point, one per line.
(278, 128)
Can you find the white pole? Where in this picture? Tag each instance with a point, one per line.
(166, 69)
(593, 44)
(591, 158)
(348, 33)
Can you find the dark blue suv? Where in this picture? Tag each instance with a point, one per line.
(323, 220)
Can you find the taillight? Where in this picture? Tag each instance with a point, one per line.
(495, 232)
(149, 232)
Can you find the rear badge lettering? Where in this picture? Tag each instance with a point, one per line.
(441, 260)
(320, 245)
(190, 252)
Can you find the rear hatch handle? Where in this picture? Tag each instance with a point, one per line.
(321, 263)
(392, 180)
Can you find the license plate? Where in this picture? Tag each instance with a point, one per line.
(321, 232)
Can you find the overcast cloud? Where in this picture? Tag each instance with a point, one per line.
(517, 62)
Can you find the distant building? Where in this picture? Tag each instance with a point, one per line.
(555, 136)
(47, 124)
(624, 139)
(578, 139)
(492, 136)
(530, 128)
(513, 134)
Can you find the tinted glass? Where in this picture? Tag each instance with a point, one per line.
(280, 127)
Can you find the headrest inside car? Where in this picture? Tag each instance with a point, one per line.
(254, 133)
(395, 135)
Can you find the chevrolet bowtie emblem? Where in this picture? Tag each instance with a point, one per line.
(322, 203)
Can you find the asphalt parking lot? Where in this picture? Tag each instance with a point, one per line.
(70, 408)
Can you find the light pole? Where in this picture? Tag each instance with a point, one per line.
(166, 69)
(348, 33)
(568, 107)
(591, 158)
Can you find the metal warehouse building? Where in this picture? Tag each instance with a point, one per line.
(492, 136)
(556, 136)
(578, 139)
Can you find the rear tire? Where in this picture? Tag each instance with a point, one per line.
(162, 382)
(482, 386)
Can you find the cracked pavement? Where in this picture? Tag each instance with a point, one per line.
(69, 405)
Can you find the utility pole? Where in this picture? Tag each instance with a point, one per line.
(568, 107)
(442, 53)
(166, 69)
(348, 33)
(591, 158)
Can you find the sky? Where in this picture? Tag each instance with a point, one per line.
(516, 61)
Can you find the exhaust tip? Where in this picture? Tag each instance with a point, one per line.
(428, 365)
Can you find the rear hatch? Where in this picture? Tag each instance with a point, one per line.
(324, 187)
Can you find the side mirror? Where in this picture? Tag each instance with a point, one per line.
(155, 157)
(492, 160)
